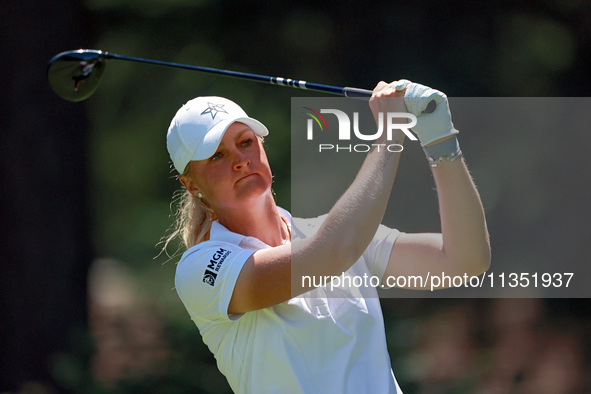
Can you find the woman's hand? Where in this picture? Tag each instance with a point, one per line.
(431, 127)
(389, 97)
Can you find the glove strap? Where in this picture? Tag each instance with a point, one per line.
(448, 150)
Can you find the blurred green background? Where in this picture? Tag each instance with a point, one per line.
(86, 296)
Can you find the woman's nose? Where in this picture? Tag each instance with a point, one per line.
(240, 160)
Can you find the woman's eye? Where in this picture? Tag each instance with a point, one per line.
(216, 156)
(247, 142)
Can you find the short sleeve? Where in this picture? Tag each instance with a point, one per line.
(377, 254)
(205, 278)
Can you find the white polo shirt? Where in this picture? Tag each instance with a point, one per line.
(324, 341)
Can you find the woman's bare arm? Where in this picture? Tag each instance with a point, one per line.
(271, 276)
(463, 245)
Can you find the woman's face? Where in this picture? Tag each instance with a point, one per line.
(237, 173)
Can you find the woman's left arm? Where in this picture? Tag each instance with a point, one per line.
(462, 248)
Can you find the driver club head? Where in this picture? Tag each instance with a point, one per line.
(75, 75)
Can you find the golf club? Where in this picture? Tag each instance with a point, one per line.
(75, 75)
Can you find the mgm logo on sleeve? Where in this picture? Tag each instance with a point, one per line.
(211, 272)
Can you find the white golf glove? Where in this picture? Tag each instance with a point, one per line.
(433, 126)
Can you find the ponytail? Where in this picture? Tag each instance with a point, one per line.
(193, 220)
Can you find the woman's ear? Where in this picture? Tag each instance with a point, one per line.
(189, 185)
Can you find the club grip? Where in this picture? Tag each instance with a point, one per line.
(356, 92)
(430, 107)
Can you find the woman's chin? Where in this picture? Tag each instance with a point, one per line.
(253, 191)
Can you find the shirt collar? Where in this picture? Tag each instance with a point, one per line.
(219, 232)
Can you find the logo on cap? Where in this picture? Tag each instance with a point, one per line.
(213, 109)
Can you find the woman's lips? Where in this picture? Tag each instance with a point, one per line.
(246, 177)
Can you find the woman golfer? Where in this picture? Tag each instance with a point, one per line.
(240, 278)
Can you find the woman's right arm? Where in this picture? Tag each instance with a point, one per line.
(271, 276)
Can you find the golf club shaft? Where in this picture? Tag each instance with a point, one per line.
(294, 83)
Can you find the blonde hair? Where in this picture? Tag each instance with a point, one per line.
(193, 219)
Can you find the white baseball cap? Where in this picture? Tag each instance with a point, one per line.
(199, 125)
